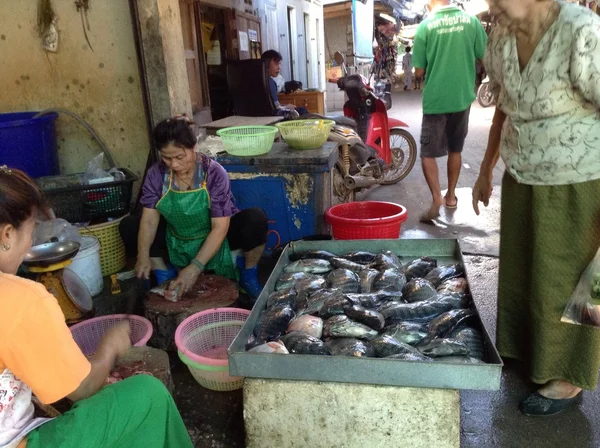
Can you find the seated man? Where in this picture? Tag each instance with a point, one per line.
(275, 58)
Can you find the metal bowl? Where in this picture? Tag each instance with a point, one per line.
(51, 253)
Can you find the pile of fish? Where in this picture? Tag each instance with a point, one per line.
(370, 305)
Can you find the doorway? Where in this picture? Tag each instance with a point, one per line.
(308, 51)
(292, 34)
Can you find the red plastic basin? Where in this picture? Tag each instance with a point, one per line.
(366, 220)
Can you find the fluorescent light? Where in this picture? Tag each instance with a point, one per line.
(387, 17)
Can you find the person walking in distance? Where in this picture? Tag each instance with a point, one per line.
(446, 45)
(407, 67)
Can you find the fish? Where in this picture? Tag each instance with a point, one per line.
(307, 286)
(344, 280)
(443, 347)
(360, 257)
(371, 318)
(387, 260)
(313, 303)
(366, 278)
(407, 332)
(334, 306)
(252, 342)
(419, 268)
(442, 273)
(311, 255)
(270, 347)
(411, 357)
(366, 300)
(457, 300)
(387, 346)
(282, 297)
(310, 266)
(350, 347)
(459, 360)
(389, 279)
(342, 263)
(442, 325)
(273, 322)
(344, 327)
(418, 290)
(304, 344)
(472, 339)
(289, 279)
(418, 311)
(308, 324)
(453, 285)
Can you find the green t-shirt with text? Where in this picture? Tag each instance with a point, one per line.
(446, 45)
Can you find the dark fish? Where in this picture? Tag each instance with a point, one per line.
(365, 300)
(362, 315)
(390, 279)
(418, 290)
(419, 268)
(418, 311)
(311, 255)
(444, 347)
(344, 280)
(343, 327)
(308, 324)
(407, 332)
(444, 324)
(387, 260)
(350, 347)
(411, 357)
(442, 273)
(334, 306)
(472, 339)
(458, 360)
(307, 286)
(453, 285)
(282, 298)
(310, 266)
(455, 299)
(273, 322)
(289, 279)
(342, 263)
(252, 342)
(360, 257)
(366, 278)
(387, 346)
(313, 303)
(304, 344)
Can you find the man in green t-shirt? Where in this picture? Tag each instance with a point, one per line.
(446, 45)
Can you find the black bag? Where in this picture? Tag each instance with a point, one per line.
(292, 86)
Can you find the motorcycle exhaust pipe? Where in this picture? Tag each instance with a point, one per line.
(354, 182)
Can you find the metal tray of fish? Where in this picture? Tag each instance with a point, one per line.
(367, 370)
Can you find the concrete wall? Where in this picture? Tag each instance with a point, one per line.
(338, 36)
(103, 86)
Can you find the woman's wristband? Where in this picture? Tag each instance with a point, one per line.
(198, 264)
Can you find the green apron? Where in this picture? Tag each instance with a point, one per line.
(188, 224)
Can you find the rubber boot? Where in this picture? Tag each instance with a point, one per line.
(164, 275)
(249, 279)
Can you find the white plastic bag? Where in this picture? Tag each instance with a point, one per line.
(55, 230)
(95, 173)
(211, 146)
(584, 306)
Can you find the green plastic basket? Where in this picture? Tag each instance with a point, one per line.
(248, 140)
(305, 134)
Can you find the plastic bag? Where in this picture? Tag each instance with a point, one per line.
(55, 230)
(584, 306)
(95, 173)
(211, 146)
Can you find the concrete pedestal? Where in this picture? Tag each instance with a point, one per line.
(286, 414)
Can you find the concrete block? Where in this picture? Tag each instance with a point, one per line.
(292, 414)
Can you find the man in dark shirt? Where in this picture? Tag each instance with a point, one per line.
(275, 58)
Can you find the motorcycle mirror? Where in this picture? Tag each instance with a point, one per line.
(339, 58)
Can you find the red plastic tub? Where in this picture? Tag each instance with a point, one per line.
(368, 220)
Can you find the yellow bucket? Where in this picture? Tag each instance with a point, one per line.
(112, 249)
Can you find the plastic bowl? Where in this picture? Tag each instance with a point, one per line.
(305, 134)
(366, 220)
(248, 140)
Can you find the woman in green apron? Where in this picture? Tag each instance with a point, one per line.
(188, 209)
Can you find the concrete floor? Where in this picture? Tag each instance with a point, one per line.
(488, 419)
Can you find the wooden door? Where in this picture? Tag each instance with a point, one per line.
(248, 31)
(192, 60)
(270, 27)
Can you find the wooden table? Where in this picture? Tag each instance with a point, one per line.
(238, 120)
(312, 100)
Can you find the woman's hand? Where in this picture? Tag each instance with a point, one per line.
(143, 267)
(183, 283)
(117, 340)
(482, 191)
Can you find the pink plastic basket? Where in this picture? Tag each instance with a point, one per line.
(87, 334)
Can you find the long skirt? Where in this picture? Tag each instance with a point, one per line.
(548, 236)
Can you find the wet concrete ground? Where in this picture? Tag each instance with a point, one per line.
(488, 419)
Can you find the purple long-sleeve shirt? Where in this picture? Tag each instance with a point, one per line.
(221, 200)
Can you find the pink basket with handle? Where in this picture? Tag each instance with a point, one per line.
(88, 334)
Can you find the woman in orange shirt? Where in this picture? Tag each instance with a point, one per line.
(38, 355)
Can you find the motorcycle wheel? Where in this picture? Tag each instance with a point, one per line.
(404, 156)
(484, 96)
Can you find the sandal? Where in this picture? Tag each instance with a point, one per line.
(536, 405)
(451, 207)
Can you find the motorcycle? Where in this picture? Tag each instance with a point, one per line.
(485, 97)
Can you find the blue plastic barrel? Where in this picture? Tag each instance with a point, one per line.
(29, 144)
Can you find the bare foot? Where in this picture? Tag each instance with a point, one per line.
(432, 213)
(558, 389)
